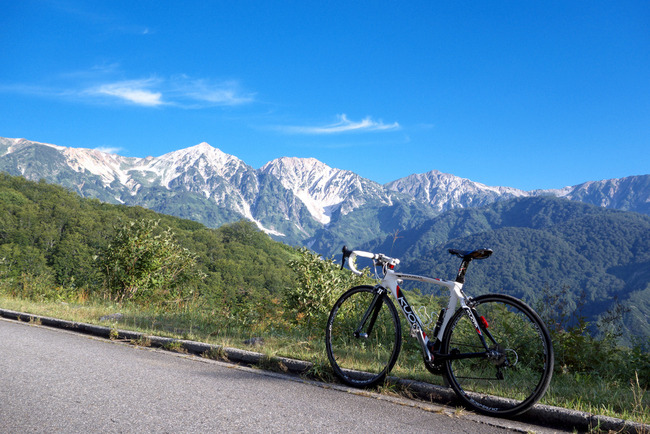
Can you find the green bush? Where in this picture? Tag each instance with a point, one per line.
(319, 283)
(143, 262)
(592, 349)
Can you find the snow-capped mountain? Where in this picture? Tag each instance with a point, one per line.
(296, 200)
(631, 193)
(324, 189)
(444, 191)
(288, 197)
(200, 169)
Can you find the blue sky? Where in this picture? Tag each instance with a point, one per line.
(528, 94)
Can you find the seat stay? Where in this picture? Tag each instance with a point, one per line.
(478, 325)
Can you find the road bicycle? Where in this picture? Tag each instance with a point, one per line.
(494, 350)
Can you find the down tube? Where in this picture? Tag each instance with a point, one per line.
(417, 329)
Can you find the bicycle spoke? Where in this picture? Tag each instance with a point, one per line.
(515, 369)
(363, 358)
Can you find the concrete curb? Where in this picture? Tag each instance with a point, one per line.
(543, 415)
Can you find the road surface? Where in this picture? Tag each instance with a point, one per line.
(53, 380)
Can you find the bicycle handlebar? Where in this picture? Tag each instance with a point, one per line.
(378, 259)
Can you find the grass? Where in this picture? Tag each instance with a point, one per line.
(583, 392)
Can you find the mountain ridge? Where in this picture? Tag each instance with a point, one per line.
(292, 199)
(550, 238)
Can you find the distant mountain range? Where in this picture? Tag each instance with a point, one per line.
(295, 200)
(591, 241)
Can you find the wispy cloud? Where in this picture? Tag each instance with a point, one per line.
(109, 150)
(97, 84)
(180, 91)
(204, 91)
(35, 90)
(343, 125)
(133, 91)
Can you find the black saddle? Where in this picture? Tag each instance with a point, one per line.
(468, 255)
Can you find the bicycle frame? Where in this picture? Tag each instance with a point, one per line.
(391, 282)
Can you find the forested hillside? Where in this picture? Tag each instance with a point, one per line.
(594, 257)
(54, 243)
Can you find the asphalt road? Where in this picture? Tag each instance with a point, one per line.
(53, 380)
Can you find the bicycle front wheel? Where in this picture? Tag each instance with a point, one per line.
(515, 371)
(363, 337)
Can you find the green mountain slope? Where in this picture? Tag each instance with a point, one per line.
(594, 256)
(52, 235)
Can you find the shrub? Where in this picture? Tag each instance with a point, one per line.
(142, 261)
(319, 283)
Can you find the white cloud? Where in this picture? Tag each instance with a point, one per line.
(108, 150)
(134, 91)
(342, 126)
(180, 91)
(204, 91)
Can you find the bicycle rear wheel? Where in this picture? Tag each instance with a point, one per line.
(363, 352)
(516, 371)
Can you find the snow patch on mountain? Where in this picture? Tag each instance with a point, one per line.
(208, 161)
(14, 145)
(321, 188)
(445, 191)
(107, 166)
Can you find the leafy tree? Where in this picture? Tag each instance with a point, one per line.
(141, 263)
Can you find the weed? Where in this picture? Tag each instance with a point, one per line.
(321, 371)
(406, 392)
(638, 395)
(113, 334)
(175, 346)
(142, 341)
(271, 363)
(388, 388)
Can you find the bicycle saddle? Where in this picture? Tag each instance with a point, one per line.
(471, 254)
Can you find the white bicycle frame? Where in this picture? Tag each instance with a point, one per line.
(392, 280)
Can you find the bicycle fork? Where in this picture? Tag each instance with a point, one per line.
(370, 316)
(372, 312)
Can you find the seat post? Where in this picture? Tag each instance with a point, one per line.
(460, 277)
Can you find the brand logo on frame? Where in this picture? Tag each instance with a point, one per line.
(411, 277)
(407, 311)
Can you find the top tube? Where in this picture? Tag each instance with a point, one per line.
(388, 265)
(418, 278)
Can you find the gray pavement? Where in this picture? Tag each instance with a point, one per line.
(89, 384)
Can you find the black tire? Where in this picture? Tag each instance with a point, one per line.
(519, 370)
(362, 361)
